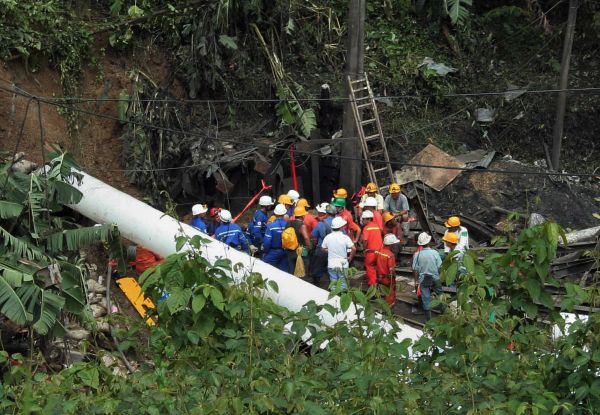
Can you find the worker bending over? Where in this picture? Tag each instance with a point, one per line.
(386, 263)
(231, 233)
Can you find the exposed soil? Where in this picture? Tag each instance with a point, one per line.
(570, 204)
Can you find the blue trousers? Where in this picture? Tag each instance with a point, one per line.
(429, 285)
(335, 275)
(278, 258)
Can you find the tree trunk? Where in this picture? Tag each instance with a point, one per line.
(563, 84)
(350, 170)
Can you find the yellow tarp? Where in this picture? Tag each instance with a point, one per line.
(133, 292)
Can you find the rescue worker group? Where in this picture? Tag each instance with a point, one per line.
(285, 234)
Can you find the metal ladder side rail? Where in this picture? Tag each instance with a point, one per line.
(359, 128)
(386, 156)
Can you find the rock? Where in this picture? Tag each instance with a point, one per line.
(95, 286)
(95, 298)
(24, 166)
(103, 302)
(98, 310)
(78, 334)
(102, 326)
(108, 360)
(120, 371)
(74, 356)
(536, 219)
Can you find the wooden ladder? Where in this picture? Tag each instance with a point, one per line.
(369, 131)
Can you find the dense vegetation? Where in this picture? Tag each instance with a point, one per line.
(218, 347)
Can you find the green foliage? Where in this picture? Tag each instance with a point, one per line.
(35, 286)
(457, 10)
(220, 347)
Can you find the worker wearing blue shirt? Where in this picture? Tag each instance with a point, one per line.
(198, 212)
(274, 252)
(231, 233)
(258, 226)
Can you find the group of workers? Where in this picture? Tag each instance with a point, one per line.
(284, 231)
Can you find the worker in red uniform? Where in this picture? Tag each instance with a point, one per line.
(310, 220)
(144, 259)
(372, 242)
(386, 262)
(351, 228)
(371, 204)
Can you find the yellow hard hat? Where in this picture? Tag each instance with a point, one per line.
(387, 216)
(302, 203)
(371, 187)
(450, 237)
(341, 192)
(284, 199)
(452, 222)
(300, 211)
(394, 188)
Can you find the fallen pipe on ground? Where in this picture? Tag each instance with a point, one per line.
(157, 231)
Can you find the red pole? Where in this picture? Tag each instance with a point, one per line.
(293, 165)
(251, 202)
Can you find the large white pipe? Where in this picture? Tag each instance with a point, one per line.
(157, 231)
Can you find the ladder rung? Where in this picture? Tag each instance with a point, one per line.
(372, 137)
(376, 153)
(367, 122)
(361, 98)
(380, 169)
(361, 89)
(364, 105)
(357, 81)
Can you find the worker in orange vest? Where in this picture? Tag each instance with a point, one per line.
(386, 262)
(351, 228)
(310, 220)
(372, 242)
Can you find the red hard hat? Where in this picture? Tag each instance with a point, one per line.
(214, 211)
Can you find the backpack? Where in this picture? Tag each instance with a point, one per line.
(289, 239)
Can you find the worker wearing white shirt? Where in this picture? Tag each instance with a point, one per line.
(453, 226)
(340, 251)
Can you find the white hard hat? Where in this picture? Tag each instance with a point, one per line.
(265, 201)
(424, 238)
(367, 214)
(322, 207)
(338, 223)
(280, 210)
(199, 209)
(225, 216)
(294, 195)
(390, 239)
(370, 202)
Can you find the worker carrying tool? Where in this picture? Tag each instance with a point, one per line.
(426, 267)
(274, 252)
(258, 226)
(370, 191)
(371, 242)
(318, 261)
(231, 233)
(386, 263)
(198, 214)
(340, 251)
(351, 228)
(453, 225)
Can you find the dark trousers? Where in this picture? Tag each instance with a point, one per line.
(318, 266)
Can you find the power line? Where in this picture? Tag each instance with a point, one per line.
(271, 147)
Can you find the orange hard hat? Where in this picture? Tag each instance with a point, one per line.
(341, 192)
(451, 238)
(394, 188)
(284, 199)
(302, 203)
(371, 187)
(300, 211)
(387, 216)
(452, 222)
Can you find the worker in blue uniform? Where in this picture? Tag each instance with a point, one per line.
(231, 233)
(258, 226)
(274, 252)
(198, 212)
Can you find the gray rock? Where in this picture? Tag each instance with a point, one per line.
(95, 286)
(78, 334)
(98, 310)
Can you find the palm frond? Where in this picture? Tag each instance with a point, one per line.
(458, 11)
(47, 311)
(74, 239)
(11, 304)
(19, 247)
(66, 194)
(10, 210)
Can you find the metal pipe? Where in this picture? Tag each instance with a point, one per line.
(157, 231)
